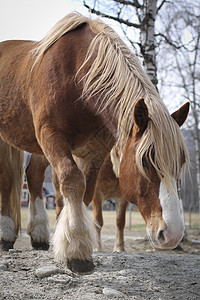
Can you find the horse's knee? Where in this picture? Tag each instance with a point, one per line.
(72, 182)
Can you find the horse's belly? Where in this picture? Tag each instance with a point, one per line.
(19, 135)
(26, 145)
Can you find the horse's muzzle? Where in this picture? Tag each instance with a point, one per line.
(164, 238)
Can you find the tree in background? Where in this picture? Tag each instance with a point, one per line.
(179, 40)
(137, 15)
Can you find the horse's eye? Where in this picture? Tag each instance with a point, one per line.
(145, 163)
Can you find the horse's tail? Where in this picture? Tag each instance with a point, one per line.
(16, 158)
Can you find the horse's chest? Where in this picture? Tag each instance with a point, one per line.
(98, 144)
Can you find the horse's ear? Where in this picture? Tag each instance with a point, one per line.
(181, 114)
(141, 116)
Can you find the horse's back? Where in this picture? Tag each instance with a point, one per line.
(15, 59)
(15, 48)
(12, 44)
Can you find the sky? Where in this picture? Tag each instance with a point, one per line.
(31, 19)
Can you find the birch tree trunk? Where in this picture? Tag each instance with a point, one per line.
(145, 11)
(197, 154)
(147, 37)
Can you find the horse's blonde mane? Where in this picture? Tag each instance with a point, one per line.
(115, 159)
(66, 24)
(116, 78)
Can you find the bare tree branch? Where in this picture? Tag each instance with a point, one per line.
(134, 3)
(175, 45)
(194, 66)
(121, 21)
(131, 42)
(161, 5)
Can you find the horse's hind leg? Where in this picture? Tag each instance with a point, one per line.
(120, 220)
(8, 231)
(98, 216)
(11, 178)
(38, 221)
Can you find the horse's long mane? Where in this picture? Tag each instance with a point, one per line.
(118, 79)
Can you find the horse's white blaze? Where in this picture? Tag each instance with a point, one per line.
(172, 213)
(7, 229)
(75, 235)
(38, 221)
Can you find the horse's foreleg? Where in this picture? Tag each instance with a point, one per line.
(75, 236)
(98, 217)
(38, 221)
(120, 220)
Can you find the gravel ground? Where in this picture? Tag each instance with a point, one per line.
(140, 274)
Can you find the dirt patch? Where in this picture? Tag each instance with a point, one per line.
(139, 273)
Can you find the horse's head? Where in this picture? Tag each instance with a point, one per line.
(145, 183)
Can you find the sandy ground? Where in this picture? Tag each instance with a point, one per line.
(138, 273)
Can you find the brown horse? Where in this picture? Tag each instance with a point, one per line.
(78, 92)
(107, 186)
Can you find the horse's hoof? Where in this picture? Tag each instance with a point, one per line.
(39, 245)
(119, 249)
(80, 266)
(6, 245)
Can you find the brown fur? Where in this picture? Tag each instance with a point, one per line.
(107, 186)
(35, 176)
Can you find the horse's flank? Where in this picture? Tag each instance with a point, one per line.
(117, 79)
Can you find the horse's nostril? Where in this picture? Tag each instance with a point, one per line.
(160, 235)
